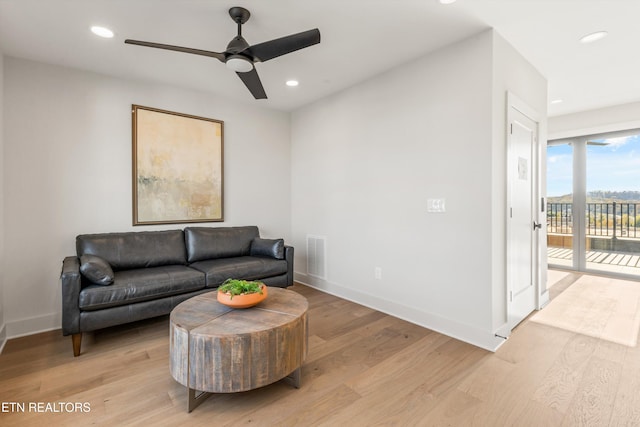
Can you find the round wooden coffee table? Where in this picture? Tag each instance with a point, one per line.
(217, 349)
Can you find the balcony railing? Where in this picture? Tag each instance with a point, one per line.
(601, 219)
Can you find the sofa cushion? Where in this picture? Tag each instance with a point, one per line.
(271, 248)
(246, 267)
(131, 286)
(132, 250)
(205, 243)
(96, 270)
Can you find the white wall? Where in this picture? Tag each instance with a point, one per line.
(512, 73)
(68, 171)
(365, 161)
(619, 117)
(3, 330)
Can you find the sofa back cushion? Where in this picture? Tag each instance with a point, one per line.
(124, 251)
(220, 242)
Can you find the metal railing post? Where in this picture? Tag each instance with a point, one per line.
(614, 221)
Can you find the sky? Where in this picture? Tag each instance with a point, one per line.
(611, 167)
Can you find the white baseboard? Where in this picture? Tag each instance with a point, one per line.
(544, 300)
(33, 325)
(3, 337)
(469, 334)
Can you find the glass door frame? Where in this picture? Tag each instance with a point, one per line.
(579, 203)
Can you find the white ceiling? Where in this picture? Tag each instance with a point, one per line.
(360, 38)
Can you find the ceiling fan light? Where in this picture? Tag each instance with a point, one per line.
(239, 64)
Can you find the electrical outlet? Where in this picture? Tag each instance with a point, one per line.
(377, 273)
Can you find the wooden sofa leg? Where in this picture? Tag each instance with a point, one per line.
(76, 339)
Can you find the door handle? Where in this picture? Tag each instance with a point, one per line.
(536, 225)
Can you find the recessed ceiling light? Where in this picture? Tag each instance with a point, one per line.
(590, 38)
(292, 83)
(102, 32)
(556, 101)
(446, 1)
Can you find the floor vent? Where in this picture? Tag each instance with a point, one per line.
(316, 256)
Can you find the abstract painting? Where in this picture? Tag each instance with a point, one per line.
(177, 167)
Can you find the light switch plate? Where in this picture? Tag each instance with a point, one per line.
(436, 205)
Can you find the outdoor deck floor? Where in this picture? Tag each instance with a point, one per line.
(617, 262)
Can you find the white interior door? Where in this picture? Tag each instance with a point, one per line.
(522, 259)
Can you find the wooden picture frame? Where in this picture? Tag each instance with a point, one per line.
(177, 167)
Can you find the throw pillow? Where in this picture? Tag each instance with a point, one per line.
(272, 248)
(96, 269)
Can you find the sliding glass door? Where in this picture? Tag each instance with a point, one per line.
(560, 204)
(593, 203)
(612, 234)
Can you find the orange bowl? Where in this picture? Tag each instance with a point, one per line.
(242, 301)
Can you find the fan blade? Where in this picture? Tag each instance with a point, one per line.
(219, 56)
(278, 47)
(253, 83)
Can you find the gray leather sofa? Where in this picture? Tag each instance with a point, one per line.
(117, 278)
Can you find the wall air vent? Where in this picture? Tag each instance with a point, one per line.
(316, 256)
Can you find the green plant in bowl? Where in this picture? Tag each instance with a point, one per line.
(234, 287)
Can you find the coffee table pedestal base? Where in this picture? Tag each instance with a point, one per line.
(195, 397)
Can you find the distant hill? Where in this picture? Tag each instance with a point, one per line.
(567, 198)
(601, 197)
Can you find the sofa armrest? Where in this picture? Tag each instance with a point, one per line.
(71, 285)
(288, 256)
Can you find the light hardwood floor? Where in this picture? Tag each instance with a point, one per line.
(364, 368)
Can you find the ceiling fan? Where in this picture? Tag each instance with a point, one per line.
(240, 57)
